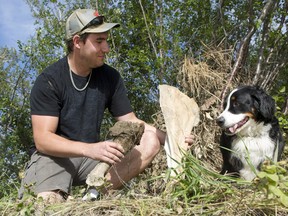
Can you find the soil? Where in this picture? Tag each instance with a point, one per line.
(128, 134)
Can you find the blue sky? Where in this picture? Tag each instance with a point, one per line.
(16, 22)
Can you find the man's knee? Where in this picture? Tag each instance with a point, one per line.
(151, 143)
(51, 196)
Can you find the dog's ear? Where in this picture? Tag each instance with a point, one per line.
(264, 104)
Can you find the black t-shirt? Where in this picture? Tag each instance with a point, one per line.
(80, 112)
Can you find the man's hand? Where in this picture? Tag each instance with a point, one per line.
(189, 139)
(108, 151)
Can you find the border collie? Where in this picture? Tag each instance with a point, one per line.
(251, 133)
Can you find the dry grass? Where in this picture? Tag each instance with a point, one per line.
(196, 77)
(203, 79)
(202, 193)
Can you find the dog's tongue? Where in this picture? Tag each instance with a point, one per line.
(234, 128)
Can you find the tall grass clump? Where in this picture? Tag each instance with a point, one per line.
(199, 190)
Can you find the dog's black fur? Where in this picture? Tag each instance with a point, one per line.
(251, 133)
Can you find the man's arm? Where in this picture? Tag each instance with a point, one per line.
(48, 142)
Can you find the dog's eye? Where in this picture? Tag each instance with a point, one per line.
(235, 104)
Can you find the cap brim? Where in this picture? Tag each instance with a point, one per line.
(101, 28)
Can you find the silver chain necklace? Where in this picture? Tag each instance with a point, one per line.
(78, 89)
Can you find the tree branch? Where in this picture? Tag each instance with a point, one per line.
(148, 30)
(245, 44)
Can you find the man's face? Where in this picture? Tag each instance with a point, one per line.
(94, 49)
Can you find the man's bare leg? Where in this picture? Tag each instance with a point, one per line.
(51, 197)
(135, 161)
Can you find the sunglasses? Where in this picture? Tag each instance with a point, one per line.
(96, 21)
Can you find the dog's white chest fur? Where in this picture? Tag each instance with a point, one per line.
(253, 150)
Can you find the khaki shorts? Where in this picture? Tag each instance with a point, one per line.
(47, 173)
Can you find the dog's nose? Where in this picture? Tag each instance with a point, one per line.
(220, 121)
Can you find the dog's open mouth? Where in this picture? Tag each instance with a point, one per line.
(232, 130)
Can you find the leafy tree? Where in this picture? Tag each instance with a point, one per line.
(15, 133)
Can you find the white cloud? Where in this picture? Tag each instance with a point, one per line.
(16, 22)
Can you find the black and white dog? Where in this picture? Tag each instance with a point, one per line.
(251, 133)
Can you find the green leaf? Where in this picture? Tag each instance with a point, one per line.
(284, 200)
(272, 178)
(283, 89)
(270, 168)
(276, 191)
